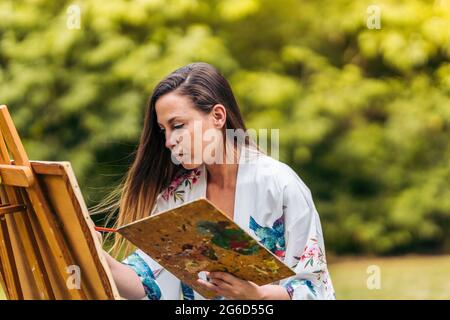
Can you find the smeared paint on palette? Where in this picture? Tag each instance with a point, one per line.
(199, 237)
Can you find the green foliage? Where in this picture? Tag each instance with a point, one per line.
(364, 114)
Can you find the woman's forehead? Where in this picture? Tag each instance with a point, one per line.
(173, 105)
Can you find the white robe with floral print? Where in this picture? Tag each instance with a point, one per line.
(272, 204)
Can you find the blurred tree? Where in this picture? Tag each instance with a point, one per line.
(364, 113)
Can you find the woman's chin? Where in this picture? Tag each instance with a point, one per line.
(190, 166)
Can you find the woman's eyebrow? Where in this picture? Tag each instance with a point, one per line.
(171, 120)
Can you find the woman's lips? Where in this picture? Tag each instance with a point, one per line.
(178, 156)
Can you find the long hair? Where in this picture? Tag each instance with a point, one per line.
(153, 169)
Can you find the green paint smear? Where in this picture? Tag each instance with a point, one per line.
(228, 238)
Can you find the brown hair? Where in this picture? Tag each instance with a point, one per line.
(152, 169)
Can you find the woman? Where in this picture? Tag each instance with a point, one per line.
(185, 153)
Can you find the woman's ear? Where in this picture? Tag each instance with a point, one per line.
(219, 114)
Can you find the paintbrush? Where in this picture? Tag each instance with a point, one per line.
(102, 229)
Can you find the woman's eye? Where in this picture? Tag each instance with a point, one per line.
(178, 126)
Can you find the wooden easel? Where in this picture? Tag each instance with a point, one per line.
(46, 234)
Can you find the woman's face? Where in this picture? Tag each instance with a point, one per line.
(192, 136)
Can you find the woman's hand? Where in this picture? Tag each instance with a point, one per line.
(230, 287)
(99, 236)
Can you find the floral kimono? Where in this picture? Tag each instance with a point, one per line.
(272, 204)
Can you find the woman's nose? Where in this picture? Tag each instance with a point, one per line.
(170, 141)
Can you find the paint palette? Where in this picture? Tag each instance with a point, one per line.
(197, 237)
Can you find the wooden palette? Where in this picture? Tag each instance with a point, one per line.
(196, 237)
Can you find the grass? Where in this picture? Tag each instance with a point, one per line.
(408, 277)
